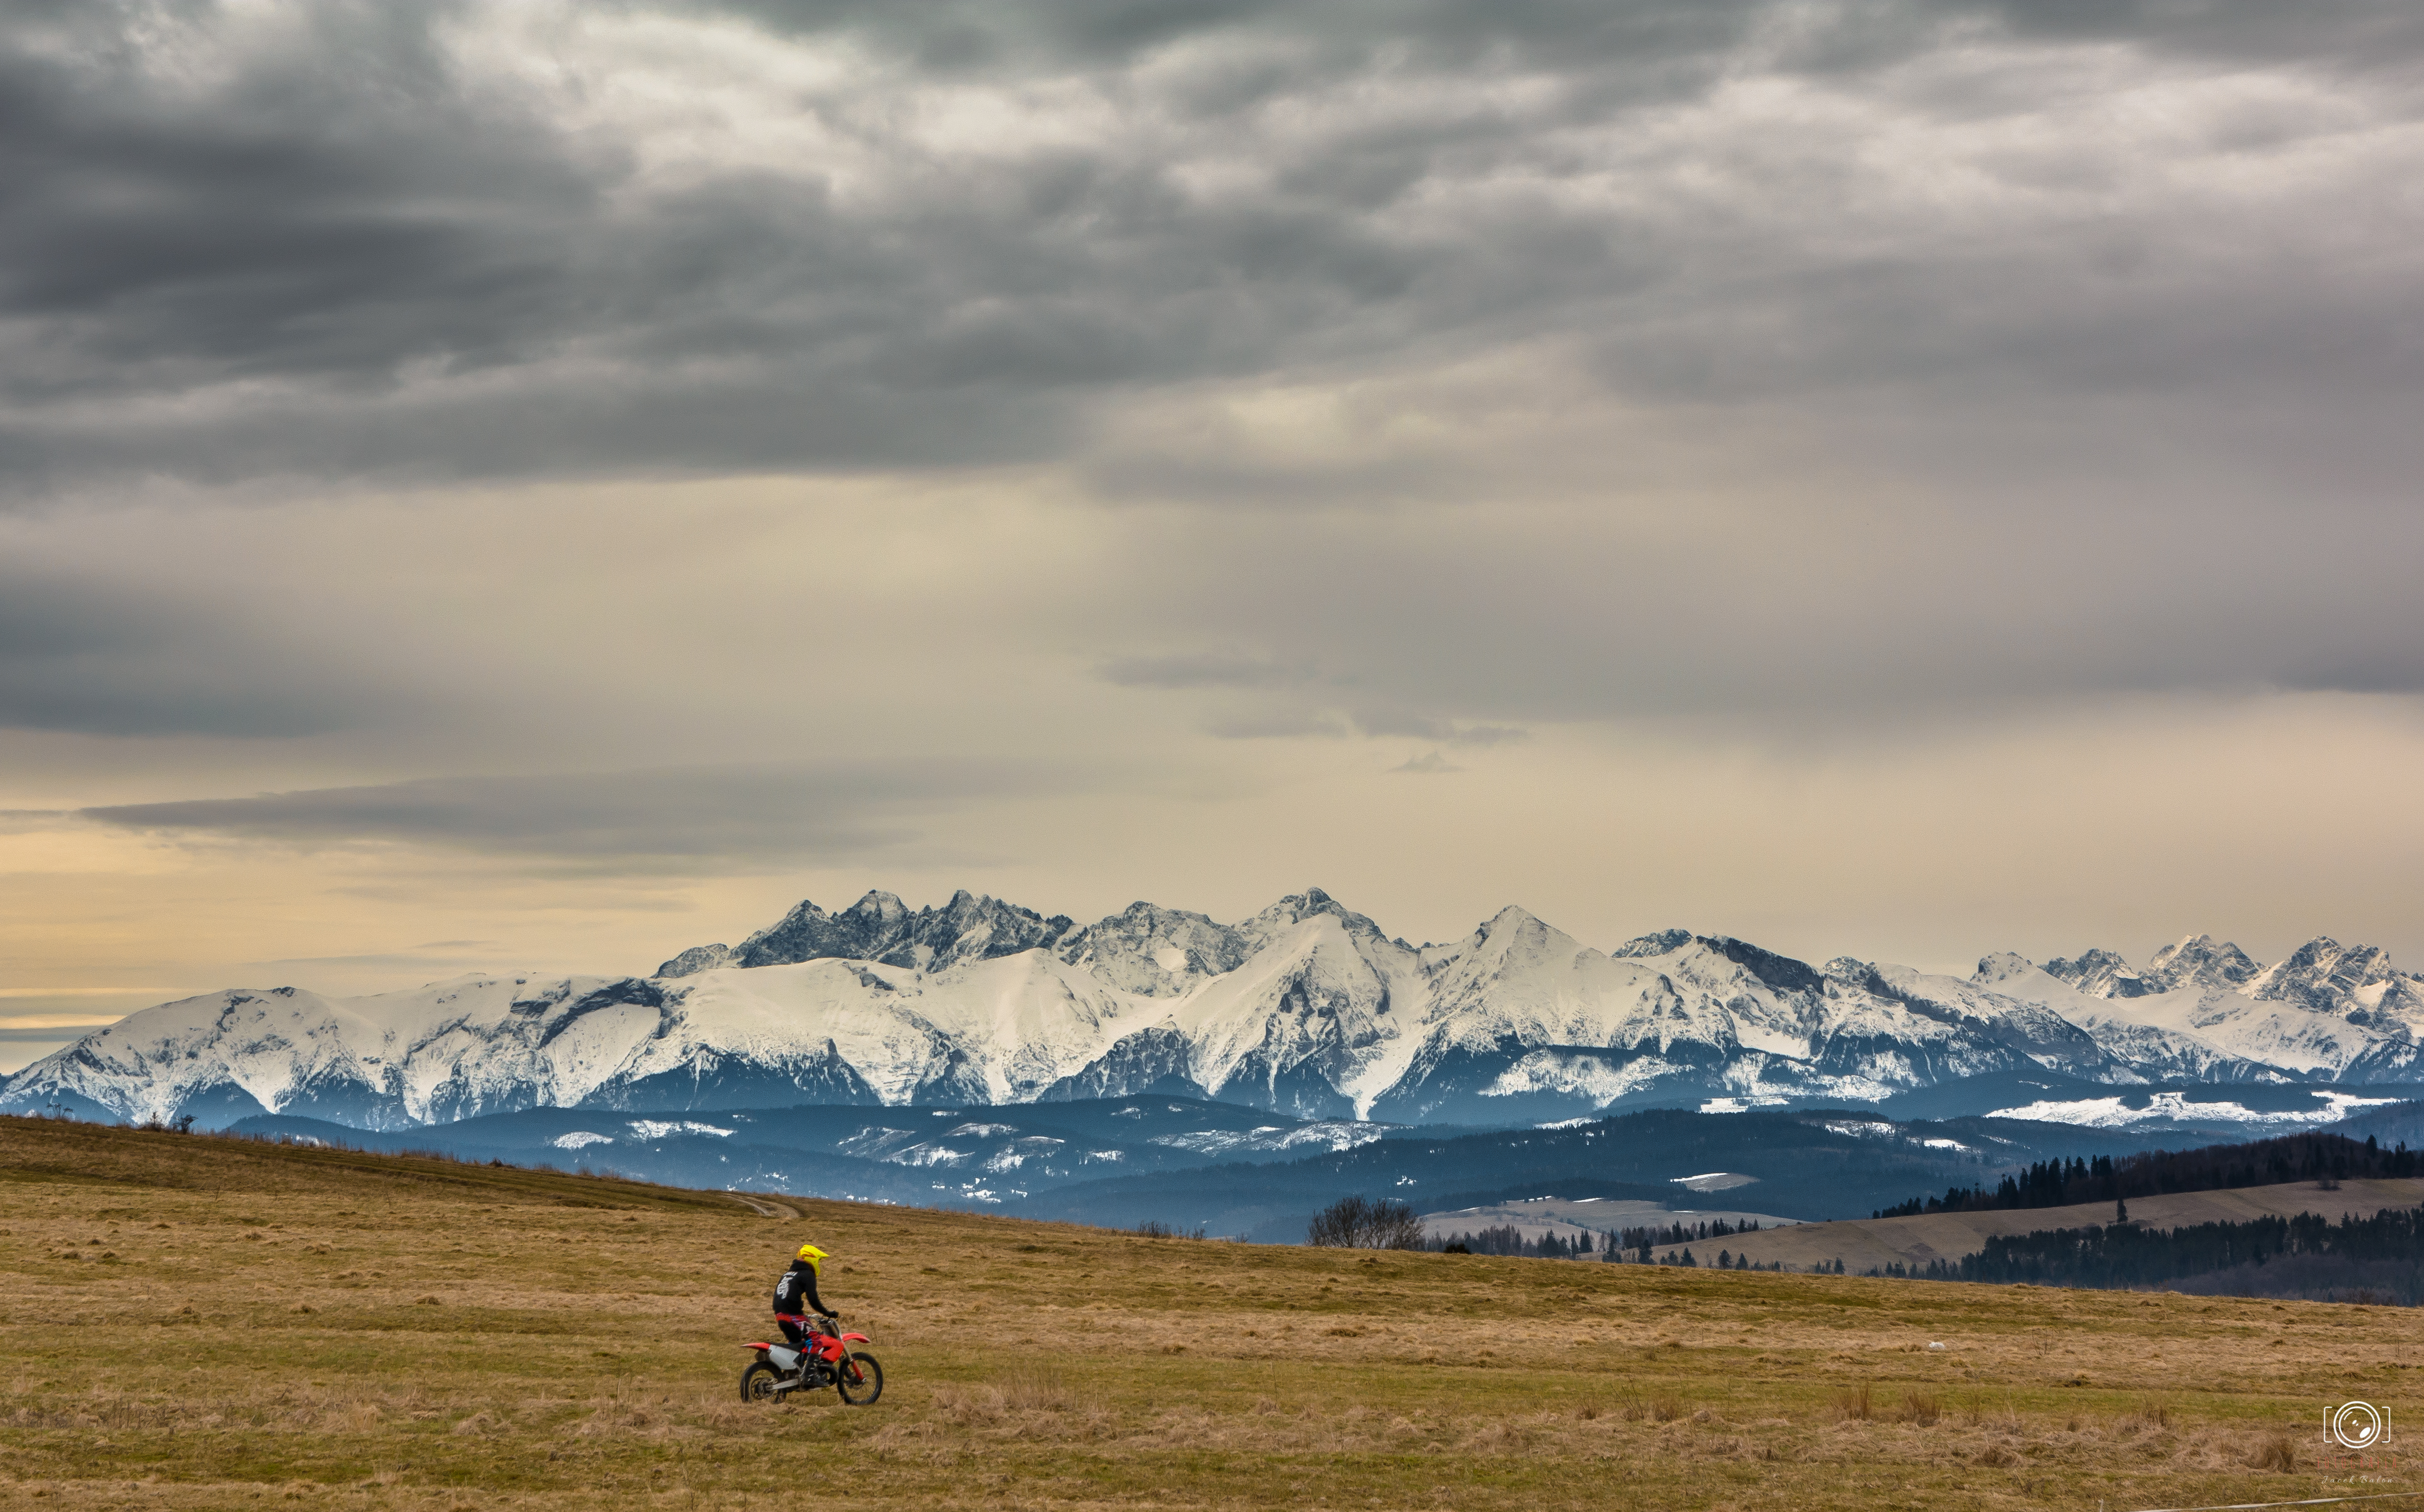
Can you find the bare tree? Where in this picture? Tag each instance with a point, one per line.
(1360, 1223)
(1334, 1227)
(1393, 1226)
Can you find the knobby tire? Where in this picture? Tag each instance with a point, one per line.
(859, 1379)
(757, 1382)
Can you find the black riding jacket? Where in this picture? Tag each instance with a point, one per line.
(796, 1291)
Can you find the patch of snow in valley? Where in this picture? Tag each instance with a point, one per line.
(580, 1139)
(2342, 1103)
(1714, 1181)
(2116, 1112)
(661, 1128)
(1332, 1133)
(1877, 1131)
(1603, 1079)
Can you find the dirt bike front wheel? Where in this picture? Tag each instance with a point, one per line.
(757, 1382)
(859, 1379)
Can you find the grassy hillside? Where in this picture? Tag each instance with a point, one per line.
(1865, 1243)
(349, 1331)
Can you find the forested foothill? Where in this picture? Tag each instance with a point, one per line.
(2369, 1260)
(2061, 1183)
(2376, 1258)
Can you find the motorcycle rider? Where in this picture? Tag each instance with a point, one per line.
(795, 1295)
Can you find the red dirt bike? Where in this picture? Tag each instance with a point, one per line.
(821, 1359)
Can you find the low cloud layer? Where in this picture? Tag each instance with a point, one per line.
(739, 818)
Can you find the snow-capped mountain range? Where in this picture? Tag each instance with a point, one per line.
(1306, 1009)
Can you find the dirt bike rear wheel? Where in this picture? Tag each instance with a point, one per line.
(859, 1379)
(757, 1382)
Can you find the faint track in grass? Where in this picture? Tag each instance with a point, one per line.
(764, 1207)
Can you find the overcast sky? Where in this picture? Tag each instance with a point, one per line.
(545, 485)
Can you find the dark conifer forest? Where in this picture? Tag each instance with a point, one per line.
(2058, 1183)
(2378, 1259)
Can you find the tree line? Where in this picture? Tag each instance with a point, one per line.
(1638, 1246)
(2305, 1255)
(1507, 1239)
(2294, 1157)
(1653, 1236)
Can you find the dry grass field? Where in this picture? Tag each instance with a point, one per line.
(1863, 1244)
(192, 1323)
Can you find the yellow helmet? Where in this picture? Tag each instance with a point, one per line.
(814, 1256)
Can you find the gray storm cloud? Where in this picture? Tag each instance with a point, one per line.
(341, 240)
(1431, 371)
(1425, 375)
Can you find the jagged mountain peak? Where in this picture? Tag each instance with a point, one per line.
(1513, 916)
(696, 959)
(1144, 949)
(2098, 974)
(880, 907)
(2002, 965)
(1515, 934)
(2356, 981)
(2201, 960)
(1663, 943)
(880, 927)
(1851, 970)
(1780, 972)
(1296, 909)
(1153, 951)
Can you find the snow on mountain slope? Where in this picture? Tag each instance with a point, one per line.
(1522, 1016)
(2034, 1029)
(2200, 961)
(2328, 1011)
(1307, 1009)
(1290, 1027)
(2094, 974)
(2150, 1053)
(2355, 982)
(1157, 952)
(473, 1044)
(2285, 1036)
